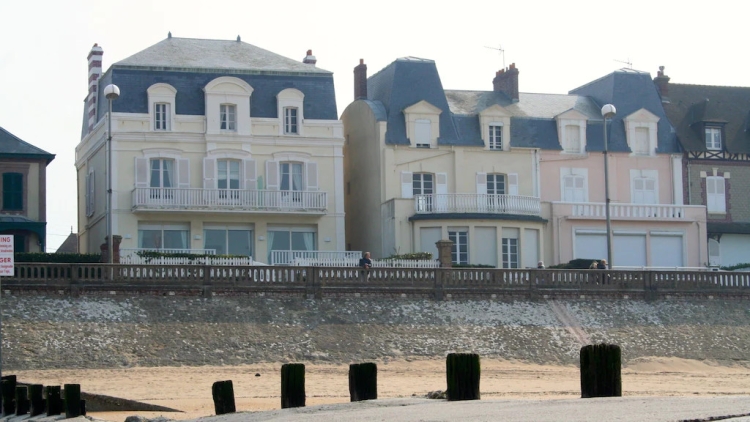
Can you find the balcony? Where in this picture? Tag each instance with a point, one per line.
(476, 203)
(230, 200)
(626, 211)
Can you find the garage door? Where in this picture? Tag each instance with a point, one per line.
(629, 250)
(428, 236)
(485, 239)
(591, 246)
(666, 251)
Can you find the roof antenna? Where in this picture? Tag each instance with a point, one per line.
(500, 49)
(626, 61)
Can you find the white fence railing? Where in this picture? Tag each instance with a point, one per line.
(477, 203)
(229, 199)
(289, 257)
(131, 256)
(379, 263)
(631, 211)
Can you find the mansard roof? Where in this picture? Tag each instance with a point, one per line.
(12, 146)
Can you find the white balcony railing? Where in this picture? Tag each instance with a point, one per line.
(175, 199)
(629, 211)
(476, 203)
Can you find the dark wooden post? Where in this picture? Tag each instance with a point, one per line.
(53, 400)
(363, 381)
(223, 393)
(600, 370)
(292, 385)
(463, 373)
(72, 393)
(22, 400)
(9, 395)
(36, 400)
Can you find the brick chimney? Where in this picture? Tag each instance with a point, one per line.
(95, 72)
(360, 80)
(309, 59)
(662, 84)
(506, 80)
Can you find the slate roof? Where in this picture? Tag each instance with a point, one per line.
(690, 105)
(409, 80)
(14, 147)
(628, 90)
(192, 53)
(70, 245)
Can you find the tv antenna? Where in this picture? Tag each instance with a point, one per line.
(500, 49)
(626, 61)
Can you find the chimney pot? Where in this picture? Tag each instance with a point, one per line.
(360, 80)
(309, 58)
(662, 84)
(506, 81)
(309, 52)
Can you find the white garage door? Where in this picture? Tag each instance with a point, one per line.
(591, 246)
(629, 250)
(485, 252)
(666, 251)
(735, 249)
(428, 236)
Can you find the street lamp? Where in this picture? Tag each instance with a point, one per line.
(111, 92)
(608, 111)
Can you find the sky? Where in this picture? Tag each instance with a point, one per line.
(557, 46)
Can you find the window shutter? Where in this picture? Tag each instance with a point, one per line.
(183, 173)
(441, 185)
(141, 172)
(251, 180)
(407, 184)
(721, 200)
(512, 183)
(482, 183)
(272, 175)
(209, 173)
(311, 170)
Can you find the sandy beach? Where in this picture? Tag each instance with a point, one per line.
(188, 389)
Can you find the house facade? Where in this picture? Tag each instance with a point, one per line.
(424, 164)
(23, 212)
(651, 226)
(713, 128)
(216, 145)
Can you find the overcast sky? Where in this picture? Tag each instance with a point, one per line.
(556, 45)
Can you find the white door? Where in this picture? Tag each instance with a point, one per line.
(530, 255)
(629, 250)
(591, 246)
(666, 251)
(428, 236)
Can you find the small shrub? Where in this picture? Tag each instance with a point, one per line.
(472, 266)
(149, 255)
(416, 256)
(736, 267)
(66, 258)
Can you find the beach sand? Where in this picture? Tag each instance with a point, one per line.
(189, 388)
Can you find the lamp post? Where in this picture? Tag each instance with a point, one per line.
(608, 111)
(111, 92)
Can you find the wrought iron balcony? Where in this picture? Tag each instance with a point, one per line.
(229, 200)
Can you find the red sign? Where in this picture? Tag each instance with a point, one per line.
(6, 255)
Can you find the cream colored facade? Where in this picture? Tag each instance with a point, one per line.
(385, 217)
(199, 152)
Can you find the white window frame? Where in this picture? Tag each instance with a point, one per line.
(421, 179)
(637, 196)
(290, 98)
(291, 120)
(290, 173)
(228, 90)
(162, 228)
(495, 139)
(162, 170)
(226, 229)
(228, 176)
(716, 202)
(460, 247)
(711, 135)
(641, 118)
(420, 127)
(574, 174)
(567, 147)
(637, 147)
(509, 251)
(492, 179)
(228, 117)
(162, 117)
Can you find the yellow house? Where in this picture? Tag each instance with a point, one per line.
(217, 146)
(424, 164)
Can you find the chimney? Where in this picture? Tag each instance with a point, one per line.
(360, 80)
(95, 72)
(662, 84)
(309, 59)
(506, 80)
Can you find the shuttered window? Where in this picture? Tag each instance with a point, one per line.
(12, 191)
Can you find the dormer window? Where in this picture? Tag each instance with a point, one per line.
(422, 133)
(713, 138)
(228, 117)
(496, 136)
(571, 131)
(161, 116)
(422, 124)
(641, 130)
(290, 120)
